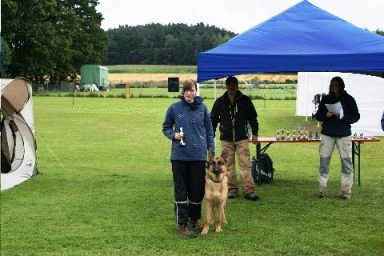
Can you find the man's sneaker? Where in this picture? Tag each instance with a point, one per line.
(232, 194)
(195, 226)
(346, 196)
(185, 232)
(251, 196)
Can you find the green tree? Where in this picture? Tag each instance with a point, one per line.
(89, 40)
(29, 34)
(51, 37)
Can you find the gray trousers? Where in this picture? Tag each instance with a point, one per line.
(344, 146)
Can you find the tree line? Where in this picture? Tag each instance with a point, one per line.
(172, 44)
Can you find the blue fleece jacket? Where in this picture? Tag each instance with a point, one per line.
(197, 127)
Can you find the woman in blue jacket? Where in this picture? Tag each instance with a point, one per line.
(336, 130)
(188, 125)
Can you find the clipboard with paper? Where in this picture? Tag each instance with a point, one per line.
(335, 108)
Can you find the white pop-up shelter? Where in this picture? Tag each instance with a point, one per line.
(18, 144)
(367, 90)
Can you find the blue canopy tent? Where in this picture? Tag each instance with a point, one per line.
(302, 38)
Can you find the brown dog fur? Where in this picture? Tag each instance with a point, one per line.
(216, 192)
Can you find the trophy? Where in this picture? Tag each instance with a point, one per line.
(288, 135)
(302, 134)
(278, 136)
(182, 143)
(306, 134)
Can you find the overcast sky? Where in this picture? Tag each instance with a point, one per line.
(236, 16)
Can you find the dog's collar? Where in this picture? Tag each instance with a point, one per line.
(216, 181)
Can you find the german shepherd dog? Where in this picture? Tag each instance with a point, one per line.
(216, 192)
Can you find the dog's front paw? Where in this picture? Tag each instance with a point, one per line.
(218, 229)
(204, 231)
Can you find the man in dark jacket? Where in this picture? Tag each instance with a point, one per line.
(235, 113)
(337, 110)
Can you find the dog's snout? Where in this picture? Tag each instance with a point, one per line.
(216, 169)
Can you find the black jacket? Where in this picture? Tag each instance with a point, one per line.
(333, 126)
(234, 118)
(382, 121)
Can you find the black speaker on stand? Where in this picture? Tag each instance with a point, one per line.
(173, 84)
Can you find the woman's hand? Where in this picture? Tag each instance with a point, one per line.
(178, 136)
(331, 114)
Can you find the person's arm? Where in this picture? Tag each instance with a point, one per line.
(382, 121)
(252, 119)
(321, 113)
(215, 116)
(209, 132)
(168, 124)
(351, 113)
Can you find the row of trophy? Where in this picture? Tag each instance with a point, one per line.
(361, 136)
(282, 134)
(299, 134)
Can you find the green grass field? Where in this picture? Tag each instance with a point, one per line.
(105, 188)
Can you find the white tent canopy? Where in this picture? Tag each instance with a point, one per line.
(18, 145)
(367, 90)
